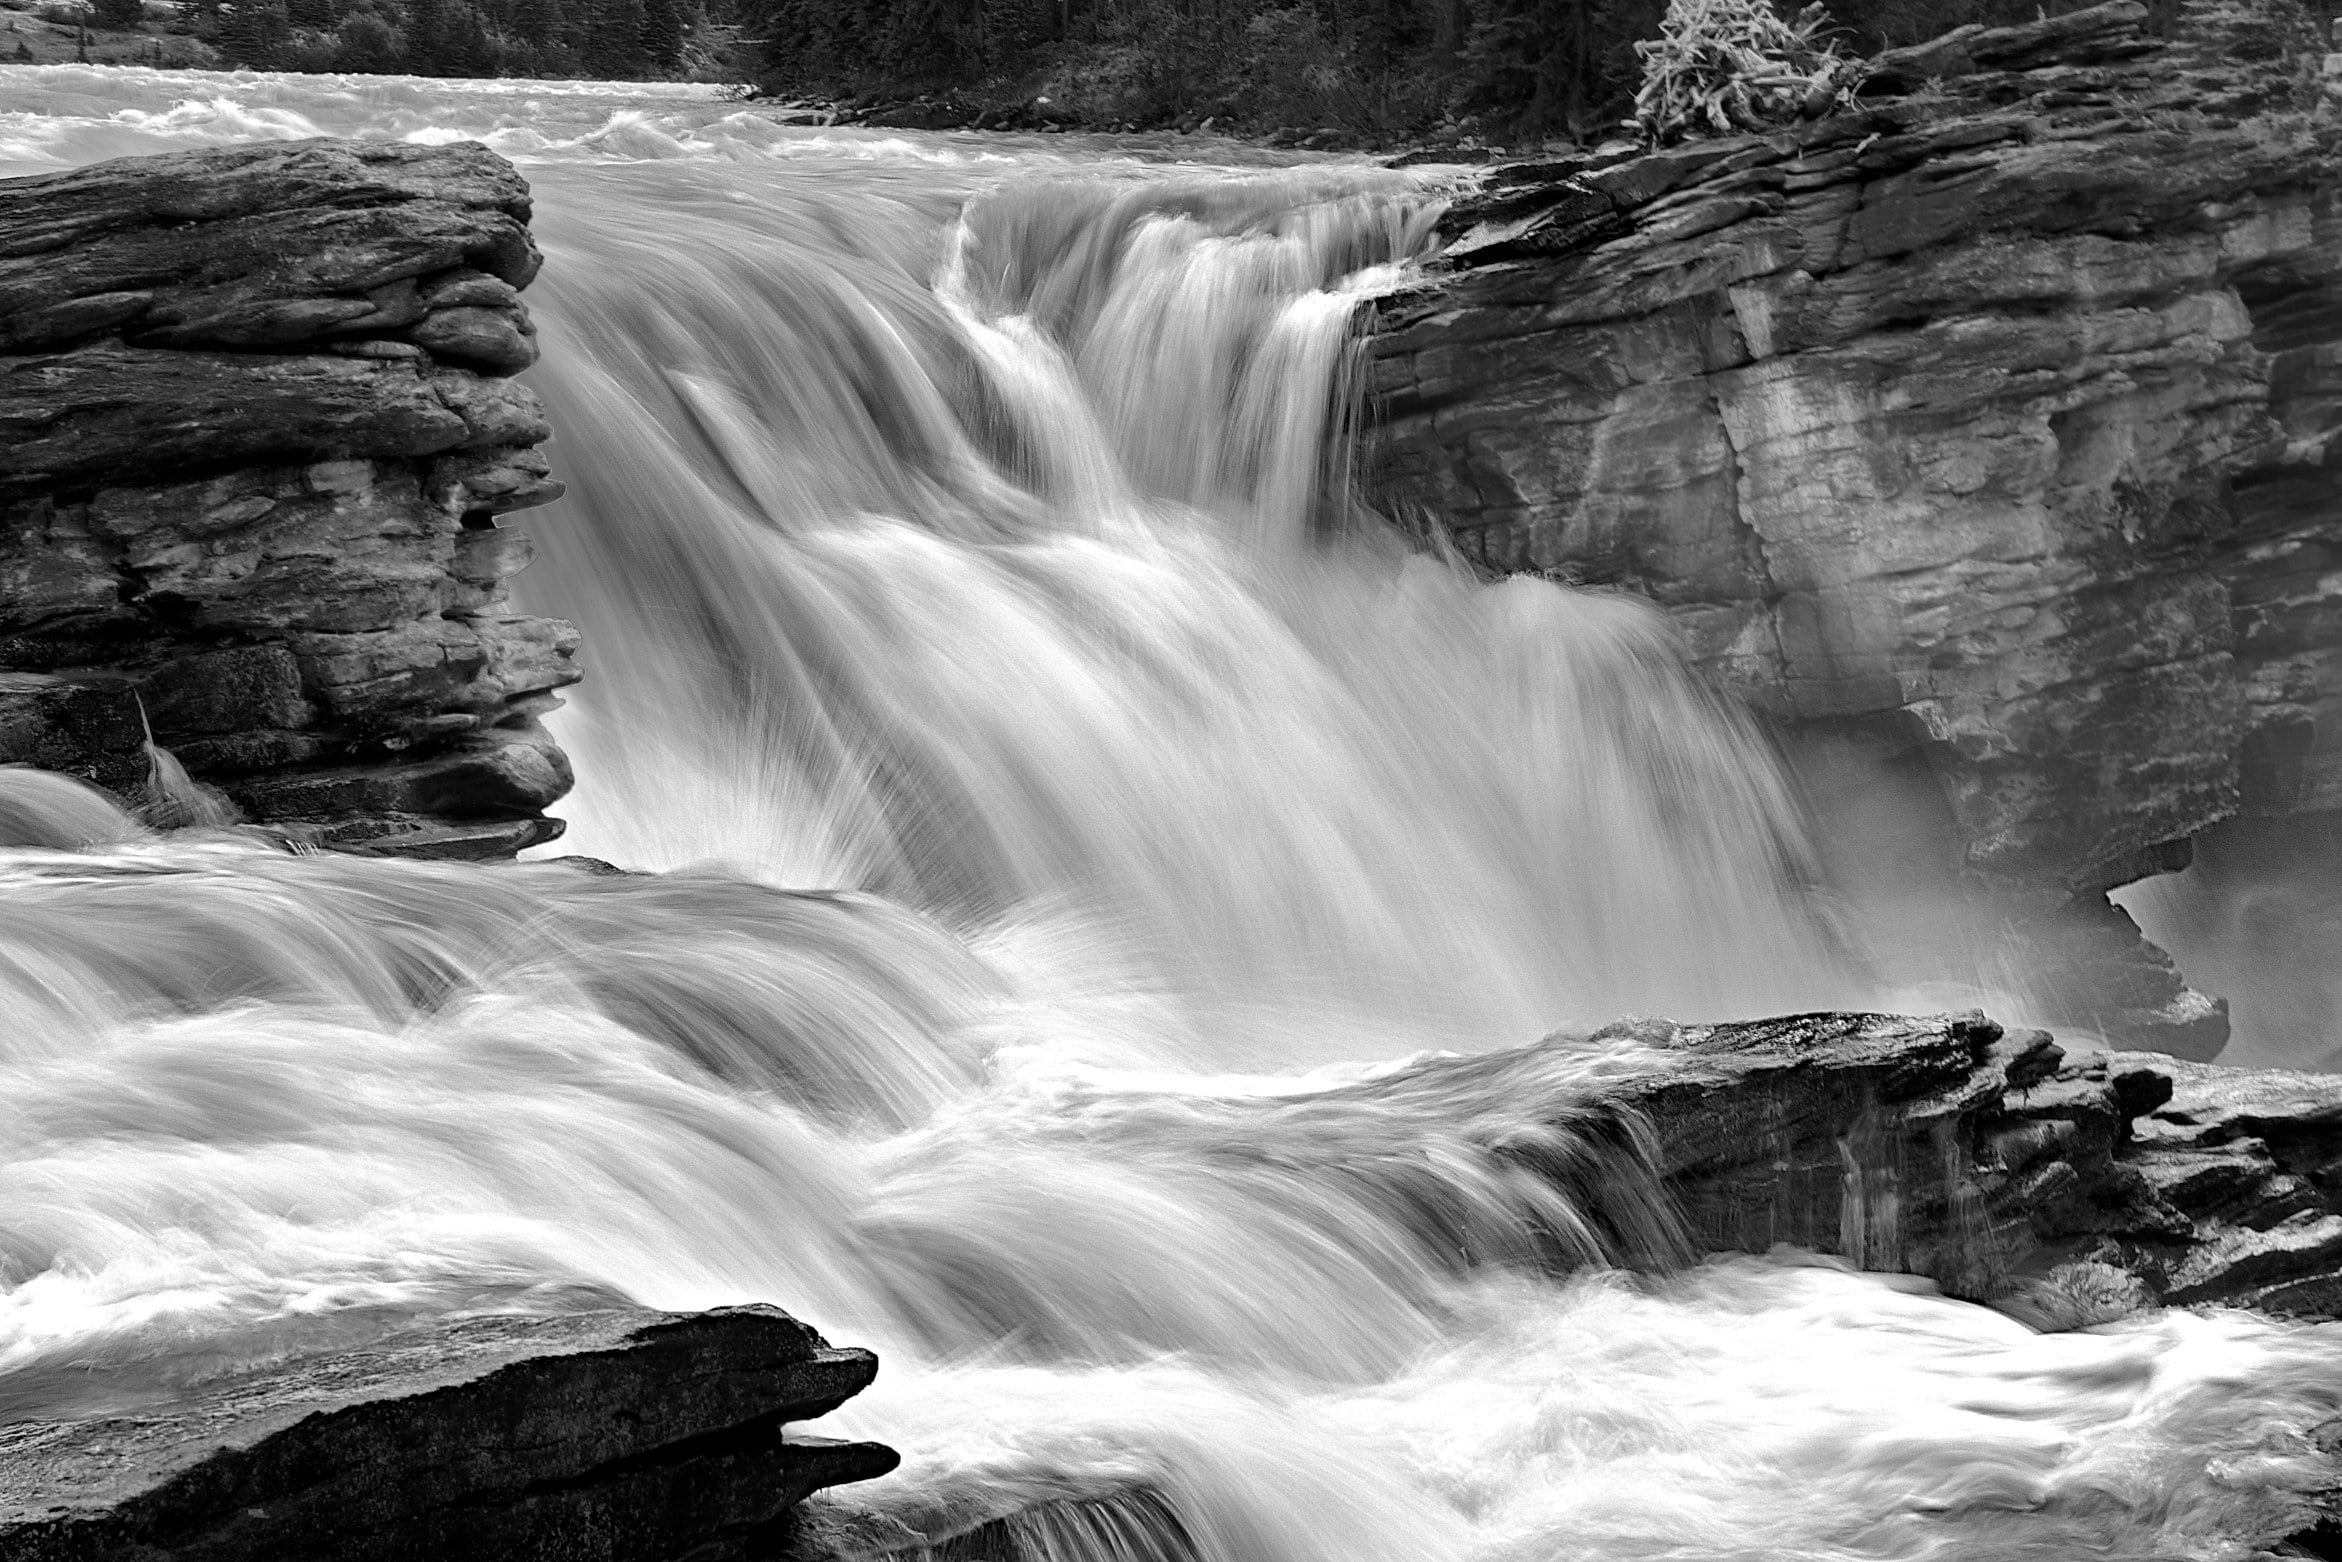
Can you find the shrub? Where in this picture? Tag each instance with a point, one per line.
(365, 42)
(1720, 66)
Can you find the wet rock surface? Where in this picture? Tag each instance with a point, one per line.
(2066, 1192)
(1990, 1161)
(599, 1435)
(255, 439)
(1987, 430)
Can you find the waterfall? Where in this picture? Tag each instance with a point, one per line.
(1082, 828)
(982, 556)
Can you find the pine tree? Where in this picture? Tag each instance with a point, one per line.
(465, 48)
(662, 34)
(426, 32)
(613, 41)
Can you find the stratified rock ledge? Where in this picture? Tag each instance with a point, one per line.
(256, 434)
(597, 1436)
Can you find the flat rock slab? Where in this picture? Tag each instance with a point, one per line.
(601, 1435)
(50, 212)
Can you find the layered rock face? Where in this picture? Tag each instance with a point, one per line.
(256, 432)
(1986, 430)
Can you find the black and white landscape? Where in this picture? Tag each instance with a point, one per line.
(1097, 847)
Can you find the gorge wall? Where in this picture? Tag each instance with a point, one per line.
(256, 432)
(1988, 432)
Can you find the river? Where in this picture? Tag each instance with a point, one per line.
(1076, 815)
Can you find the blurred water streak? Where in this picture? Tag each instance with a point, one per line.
(1096, 818)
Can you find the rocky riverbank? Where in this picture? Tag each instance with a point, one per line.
(1984, 432)
(2065, 1192)
(256, 433)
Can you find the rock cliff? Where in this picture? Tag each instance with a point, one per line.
(1985, 431)
(256, 433)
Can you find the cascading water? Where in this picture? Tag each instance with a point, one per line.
(999, 596)
(952, 527)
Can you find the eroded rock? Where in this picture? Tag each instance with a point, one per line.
(255, 437)
(1950, 1148)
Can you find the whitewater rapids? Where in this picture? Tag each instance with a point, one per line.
(1077, 819)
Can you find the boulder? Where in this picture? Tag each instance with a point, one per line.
(603, 1436)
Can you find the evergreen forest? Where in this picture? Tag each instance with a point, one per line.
(1377, 70)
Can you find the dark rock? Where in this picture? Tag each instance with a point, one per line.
(499, 340)
(1439, 154)
(599, 1435)
(1946, 1147)
(126, 413)
(1829, 1131)
(254, 435)
(484, 840)
(501, 773)
(272, 261)
(50, 212)
(473, 483)
(86, 726)
(920, 116)
(226, 690)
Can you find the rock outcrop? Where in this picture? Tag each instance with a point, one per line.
(1990, 1162)
(1988, 430)
(1946, 1146)
(256, 431)
(592, 1436)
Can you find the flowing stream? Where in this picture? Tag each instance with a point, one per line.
(1079, 825)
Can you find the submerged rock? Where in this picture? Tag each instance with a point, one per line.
(1987, 430)
(255, 438)
(601, 1435)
